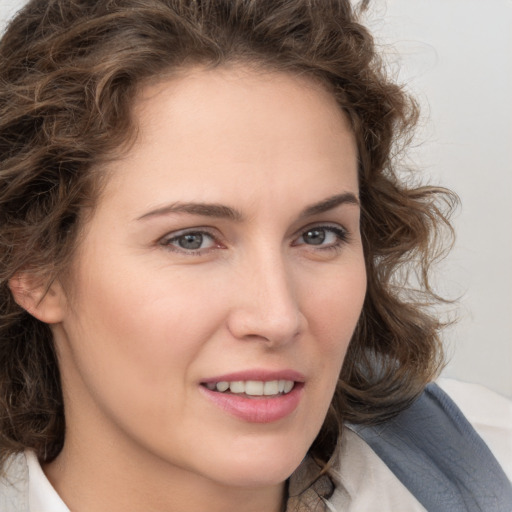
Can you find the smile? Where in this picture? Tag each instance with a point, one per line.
(256, 396)
(253, 387)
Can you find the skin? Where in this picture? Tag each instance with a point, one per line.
(141, 322)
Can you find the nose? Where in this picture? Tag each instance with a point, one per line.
(265, 303)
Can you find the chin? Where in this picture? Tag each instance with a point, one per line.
(270, 474)
(261, 463)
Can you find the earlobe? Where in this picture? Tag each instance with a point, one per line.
(46, 303)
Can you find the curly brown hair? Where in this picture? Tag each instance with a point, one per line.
(69, 74)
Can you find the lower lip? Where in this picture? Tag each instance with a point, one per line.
(258, 409)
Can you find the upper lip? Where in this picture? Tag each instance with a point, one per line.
(258, 375)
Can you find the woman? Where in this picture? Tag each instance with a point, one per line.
(204, 255)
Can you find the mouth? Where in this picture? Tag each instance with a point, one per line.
(253, 388)
(256, 396)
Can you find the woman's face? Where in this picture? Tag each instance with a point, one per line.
(224, 251)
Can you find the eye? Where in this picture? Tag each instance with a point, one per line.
(189, 241)
(323, 237)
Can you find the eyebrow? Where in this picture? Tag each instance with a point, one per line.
(220, 211)
(329, 204)
(203, 209)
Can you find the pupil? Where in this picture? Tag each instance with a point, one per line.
(191, 241)
(315, 236)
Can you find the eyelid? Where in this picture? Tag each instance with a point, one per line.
(340, 232)
(166, 240)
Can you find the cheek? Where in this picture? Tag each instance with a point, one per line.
(133, 336)
(334, 304)
(333, 313)
(144, 327)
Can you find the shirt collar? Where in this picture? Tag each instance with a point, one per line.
(42, 497)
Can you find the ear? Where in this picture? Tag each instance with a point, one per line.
(32, 293)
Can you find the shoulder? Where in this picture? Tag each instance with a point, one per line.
(364, 482)
(431, 445)
(14, 484)
(489, 413)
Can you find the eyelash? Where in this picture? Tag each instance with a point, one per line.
(167, 242)
(341, 234)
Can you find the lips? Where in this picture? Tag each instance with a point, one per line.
(256, 396)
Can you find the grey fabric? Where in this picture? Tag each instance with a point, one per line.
(438, 456)
(14, 485)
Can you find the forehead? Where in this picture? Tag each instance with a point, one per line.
(210, 105)
(213, 128)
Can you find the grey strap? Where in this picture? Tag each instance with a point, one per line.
(438, 456)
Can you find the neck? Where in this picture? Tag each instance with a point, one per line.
(86, 481)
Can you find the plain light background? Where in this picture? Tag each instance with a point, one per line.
(455, 56)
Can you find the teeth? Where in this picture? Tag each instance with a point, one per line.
(288, 385)
(237, 387)
(253, 387)
(271, 387)
(221, 386)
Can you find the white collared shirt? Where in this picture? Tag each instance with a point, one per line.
(42, 497)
